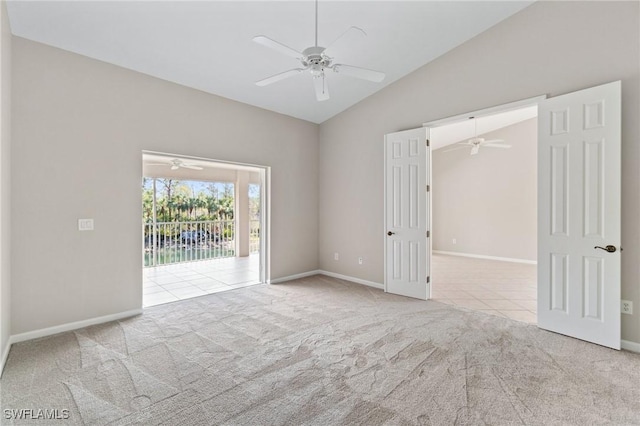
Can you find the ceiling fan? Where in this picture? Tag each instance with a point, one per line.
(177, 164)
(317, 60)
(475, 142)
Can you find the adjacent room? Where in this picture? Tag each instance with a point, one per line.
(484, 213)
(319, 212)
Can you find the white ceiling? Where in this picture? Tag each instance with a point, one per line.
(153, 158)
(462, 130)
(207, 44)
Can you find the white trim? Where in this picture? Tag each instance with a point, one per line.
(328, 274)
(486, 111)
(481, 256)
(353, 279)
(5, 355)
(265, 225)
(630, 346)
(294, 277)
(43, 332)
(384, 235)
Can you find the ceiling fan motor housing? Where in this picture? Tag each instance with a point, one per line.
(315, 60)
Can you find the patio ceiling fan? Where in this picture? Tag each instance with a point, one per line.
(475, 142)
(176, 164)
(317, 60)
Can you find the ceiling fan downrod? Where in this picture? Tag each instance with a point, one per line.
(316, 23)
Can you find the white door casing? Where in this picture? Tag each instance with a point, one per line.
(407, 214)
(579, 179)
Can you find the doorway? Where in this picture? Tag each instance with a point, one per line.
(578, 212)
(204, 227)
(484, 213)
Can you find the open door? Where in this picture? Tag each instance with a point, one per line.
(579, 214)
(407, 213)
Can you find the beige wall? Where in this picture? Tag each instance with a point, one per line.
(80, 127)
(5, 181)
(548, 48)
(488, 201)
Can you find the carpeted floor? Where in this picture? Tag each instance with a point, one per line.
(320, 351)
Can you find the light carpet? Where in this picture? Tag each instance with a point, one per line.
(319, 351)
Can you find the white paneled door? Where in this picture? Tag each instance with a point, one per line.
(579, 214)
(407, 215)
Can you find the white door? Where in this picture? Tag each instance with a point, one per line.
(579, 212)
(407, 213)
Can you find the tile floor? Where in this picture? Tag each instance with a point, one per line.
(504, 289)
(164, 284)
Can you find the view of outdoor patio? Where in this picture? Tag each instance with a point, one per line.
(186, 221)
(189, 221)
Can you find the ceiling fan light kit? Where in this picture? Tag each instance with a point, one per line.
(317, 61)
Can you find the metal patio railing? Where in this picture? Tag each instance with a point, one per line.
(254, 236)
(176, 242)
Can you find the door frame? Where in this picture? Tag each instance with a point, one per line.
(510, 106)
(264, 274)
(528, 102)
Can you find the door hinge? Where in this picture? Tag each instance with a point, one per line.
(428, 188)
(428, 234)
(427, 142)
(428, 279)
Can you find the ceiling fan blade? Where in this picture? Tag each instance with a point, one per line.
(351, 35)
(174, 167)
(279, 77)
(357, 72)
(497, 145)
(492, 141)
(157, 164)
(321, 87)
(475, 149)
(192, 167)
(272, 44)
(454, 149)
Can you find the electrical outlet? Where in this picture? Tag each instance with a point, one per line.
(336, 256)
(454, 241)
(85, 224)
(627, 307)
(360, 261)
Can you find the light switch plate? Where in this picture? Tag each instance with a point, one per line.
(85, 224)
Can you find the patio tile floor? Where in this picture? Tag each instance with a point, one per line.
(169, 283)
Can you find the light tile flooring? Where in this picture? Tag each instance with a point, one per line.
(163, 284)
(499, 288)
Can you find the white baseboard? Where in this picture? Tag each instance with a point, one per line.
(71, 326)
(353, 279)
(329, 274)
(630, 346)
(294, 277)
(481, 256)
(5, 355)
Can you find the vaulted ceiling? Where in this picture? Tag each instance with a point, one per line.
(207, 45)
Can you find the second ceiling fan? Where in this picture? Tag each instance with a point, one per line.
(475, 142)
(317, 60)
